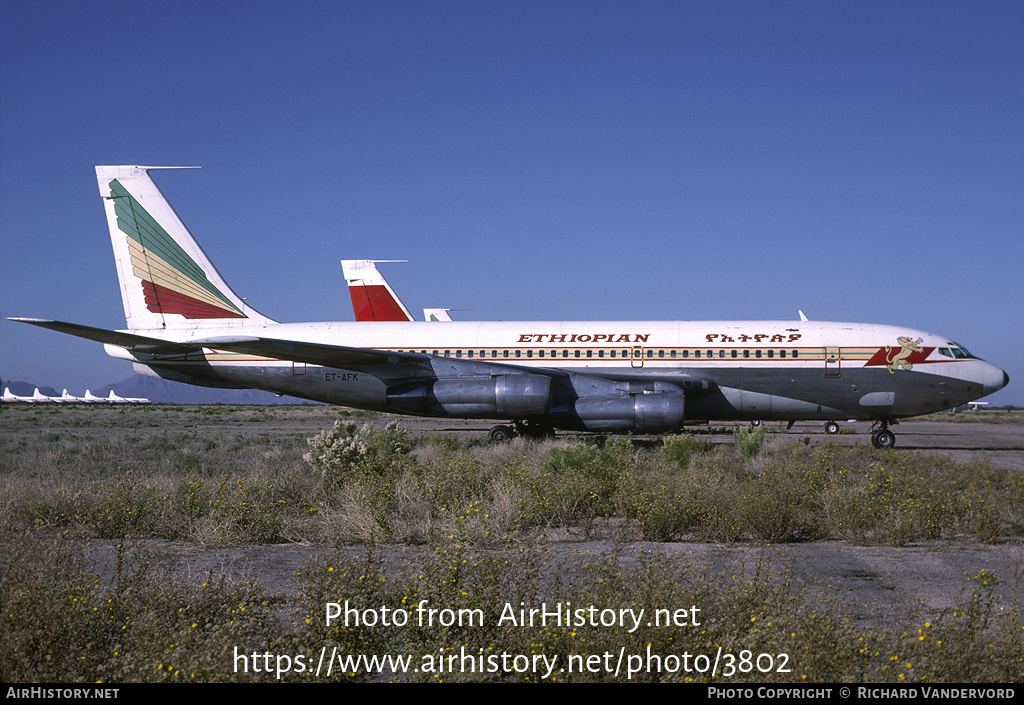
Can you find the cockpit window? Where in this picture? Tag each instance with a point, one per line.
(960, 352)
(945, 352)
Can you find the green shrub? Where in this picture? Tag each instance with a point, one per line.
(748, 440)
(678, 449)
(339, 451)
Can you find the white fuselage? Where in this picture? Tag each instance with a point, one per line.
(759, 369)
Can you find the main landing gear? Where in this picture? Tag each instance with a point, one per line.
(500, 434)
(519, 429)
(882, 437)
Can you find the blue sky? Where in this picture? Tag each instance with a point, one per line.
(532, 161)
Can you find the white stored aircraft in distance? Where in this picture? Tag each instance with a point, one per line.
(10, 398)
(373, 299)
(40, 398)
(184, 323)
(115, 399)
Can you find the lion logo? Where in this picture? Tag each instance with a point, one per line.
(901, 358)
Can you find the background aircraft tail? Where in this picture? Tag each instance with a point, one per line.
(373, 299)
(167, 281)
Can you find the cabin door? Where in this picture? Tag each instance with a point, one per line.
(832, 358)
(637, 357)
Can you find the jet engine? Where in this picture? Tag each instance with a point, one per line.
(642, 412)
(513, 396)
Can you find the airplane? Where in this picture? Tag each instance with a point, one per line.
(373, 299)
(40, 398)
(68, 399)
(185, 323)
(93, 399)
(115, 399)
(12, 398)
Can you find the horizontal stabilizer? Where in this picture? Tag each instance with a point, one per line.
(130, 341)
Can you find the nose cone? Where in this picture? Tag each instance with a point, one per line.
(993, 379)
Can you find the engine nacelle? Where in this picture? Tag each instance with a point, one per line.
(515, 396)
(641, 412)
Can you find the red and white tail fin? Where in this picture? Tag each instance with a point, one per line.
(373, 299)
(167, 281)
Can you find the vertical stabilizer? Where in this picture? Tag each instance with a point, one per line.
(436, 314)
(167, 281)
(373, 299)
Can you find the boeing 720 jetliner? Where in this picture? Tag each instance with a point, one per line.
(184, 323)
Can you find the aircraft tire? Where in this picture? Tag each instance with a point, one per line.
(500, 434)
(883, 438)
(832, 428)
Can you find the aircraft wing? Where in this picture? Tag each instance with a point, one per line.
(340, 356)
(135, 343)
(310, 353)
(344, 357)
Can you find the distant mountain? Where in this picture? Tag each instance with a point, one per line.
(162, 391)
(25, 389)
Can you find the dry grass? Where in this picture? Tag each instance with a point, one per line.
(476, 508)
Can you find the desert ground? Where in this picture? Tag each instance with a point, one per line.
(873, 583)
